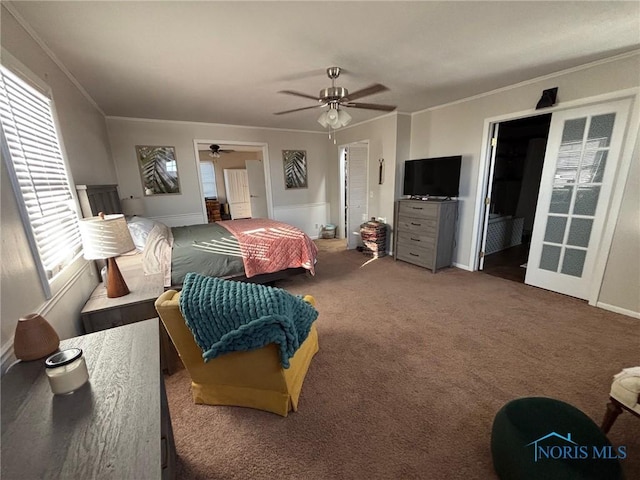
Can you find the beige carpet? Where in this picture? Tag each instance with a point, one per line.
(411, 371)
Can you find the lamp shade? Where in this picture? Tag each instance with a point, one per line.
(132, 206)
(105, 237)
(333, 118)
(343, 118)
(323, 120)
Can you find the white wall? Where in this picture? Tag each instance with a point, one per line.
(84, 135)
(621, 283)
(382, 135)
(125, 134)
(458, 129)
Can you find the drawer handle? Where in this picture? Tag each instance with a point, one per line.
(415, 239)
(417, 208)
(416, 224)
(414, 254)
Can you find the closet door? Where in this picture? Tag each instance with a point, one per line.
(580, 166)
(356, 192)
(236, 183)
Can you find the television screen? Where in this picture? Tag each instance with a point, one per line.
(437, 177)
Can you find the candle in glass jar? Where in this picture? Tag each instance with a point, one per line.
(67, 371)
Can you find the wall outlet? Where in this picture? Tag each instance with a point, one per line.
(317, 226)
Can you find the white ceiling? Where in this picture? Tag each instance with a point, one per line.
(224, 62)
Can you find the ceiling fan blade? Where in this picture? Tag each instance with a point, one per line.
(298, 94)
(298, 109)
(370, 106)
(370, 90)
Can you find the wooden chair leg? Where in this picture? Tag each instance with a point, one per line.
(613, 410)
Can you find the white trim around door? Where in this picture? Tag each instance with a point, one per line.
(265, 162)
(630, 138)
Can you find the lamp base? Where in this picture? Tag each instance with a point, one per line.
(116, 286)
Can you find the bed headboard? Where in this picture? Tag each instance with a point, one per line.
(98, 198)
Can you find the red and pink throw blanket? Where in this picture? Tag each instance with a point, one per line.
(269, 246)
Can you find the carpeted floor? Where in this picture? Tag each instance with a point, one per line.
(411, 371)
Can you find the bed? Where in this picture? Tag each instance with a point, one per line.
(249, 250)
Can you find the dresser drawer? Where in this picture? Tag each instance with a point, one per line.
(420, 209)
(417, 239)
(240, 210)
(116, 317)
(417, 225)
(420, 256)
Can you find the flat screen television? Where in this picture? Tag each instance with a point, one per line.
(432, 177)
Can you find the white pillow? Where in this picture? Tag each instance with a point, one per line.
(156, 257)
(140, 227)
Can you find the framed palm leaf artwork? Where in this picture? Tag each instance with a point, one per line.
(295, 168)
(159, 169)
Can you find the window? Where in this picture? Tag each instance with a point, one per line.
(39, 177)
(208, 179)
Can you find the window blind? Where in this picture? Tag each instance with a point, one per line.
(208, 179)
(38, 173)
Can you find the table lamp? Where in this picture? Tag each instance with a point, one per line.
(132, 206)
(105, 237)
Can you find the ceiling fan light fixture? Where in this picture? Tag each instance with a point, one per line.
(214, 154)
(323, 120)
(333, 117)
(344, 118)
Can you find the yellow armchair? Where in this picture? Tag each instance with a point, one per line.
(253, 378)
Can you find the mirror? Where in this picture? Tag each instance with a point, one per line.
(159, 170)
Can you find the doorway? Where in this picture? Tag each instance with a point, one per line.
(354, 180)
(234, 160)
(575, 201)
(513, 184)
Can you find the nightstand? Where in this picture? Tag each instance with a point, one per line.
(101, 312)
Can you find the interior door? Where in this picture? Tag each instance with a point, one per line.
(487, 202)
(257, 189)
(356, 185)
(579, 170)
(236, 183)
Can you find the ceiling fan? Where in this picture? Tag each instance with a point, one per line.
(216, 151)
(336, 97)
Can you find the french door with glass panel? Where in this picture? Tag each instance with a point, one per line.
(579, 171)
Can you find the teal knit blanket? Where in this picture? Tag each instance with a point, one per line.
(227, 316)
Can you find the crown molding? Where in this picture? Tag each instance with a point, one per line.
(524, 83)
(228, 125)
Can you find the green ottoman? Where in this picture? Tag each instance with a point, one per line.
(540, 438)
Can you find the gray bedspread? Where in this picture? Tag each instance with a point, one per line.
(208, 249)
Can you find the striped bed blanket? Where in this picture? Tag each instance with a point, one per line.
(270, 246)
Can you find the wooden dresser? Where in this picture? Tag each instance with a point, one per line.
(425, 232)
(213, 210)
(116, 426)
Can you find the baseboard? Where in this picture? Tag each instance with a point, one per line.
(462, 267)
(622, 311)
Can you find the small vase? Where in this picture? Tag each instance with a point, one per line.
(34, 338)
